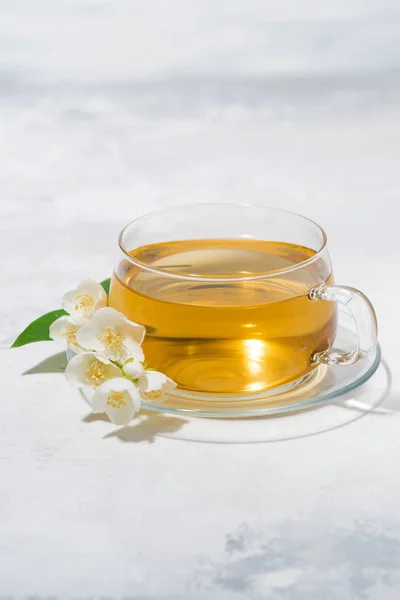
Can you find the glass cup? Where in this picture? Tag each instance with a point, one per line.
(237, 300)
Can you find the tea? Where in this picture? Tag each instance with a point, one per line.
(246, 335)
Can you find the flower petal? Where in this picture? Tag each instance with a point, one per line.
(117, 384)
(134, 350)
(82, 302)
(108, 317)
(64, 330)
(123, 414)
(133, 331)
(103, 320)
(88, 337)
(133, 367)
(99, 402)
(75, 369)
(68, 301)
(154, 385)
(154, 380)
(58, 327)
(95, 288)
(111, 334)
(121, 400)
(90, 370)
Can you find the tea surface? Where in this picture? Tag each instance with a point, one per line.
(226, 336)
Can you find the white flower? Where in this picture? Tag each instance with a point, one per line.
(84, 301)
(133, 368)
(90, 370)
(118, 398)
(64, 330)
(113, 335)
(154, 385)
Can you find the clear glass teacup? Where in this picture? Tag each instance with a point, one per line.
(236, 299)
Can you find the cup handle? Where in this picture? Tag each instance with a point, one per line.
(364, 317)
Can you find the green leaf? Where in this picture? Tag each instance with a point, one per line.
(106, 285)
(38, 330)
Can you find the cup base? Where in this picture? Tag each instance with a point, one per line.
(204, 397)
(371, 397)
(323, 384)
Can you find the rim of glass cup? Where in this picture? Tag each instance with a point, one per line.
(187, 208)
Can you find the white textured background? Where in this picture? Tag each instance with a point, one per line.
(111, 108)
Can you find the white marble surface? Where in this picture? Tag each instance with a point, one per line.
(109, 109)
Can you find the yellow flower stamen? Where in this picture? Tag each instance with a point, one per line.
(116, 400)
(111, 339)
(84, 302)
(70, 335)
(153, 395)
(96, 373)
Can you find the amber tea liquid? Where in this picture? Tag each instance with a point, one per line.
(223, 336)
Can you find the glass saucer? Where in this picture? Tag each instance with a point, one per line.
(324, 384)
(370, 399)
